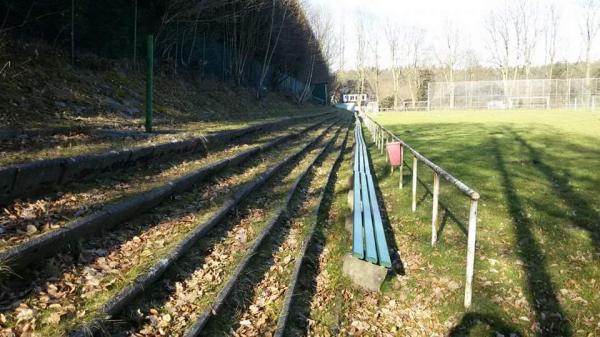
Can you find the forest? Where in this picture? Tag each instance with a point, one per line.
(253, 43)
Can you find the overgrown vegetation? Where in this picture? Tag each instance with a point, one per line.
(71, 60)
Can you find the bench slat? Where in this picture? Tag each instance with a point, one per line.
(357, 228)
(370, 246)
(369, 241)
(380, 240)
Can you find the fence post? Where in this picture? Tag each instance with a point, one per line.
(471, 253)
(401, 165)
(414, 184)
(434, 211)
(149, 80)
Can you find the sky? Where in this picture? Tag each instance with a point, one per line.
(468, 16)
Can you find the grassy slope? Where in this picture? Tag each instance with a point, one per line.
(39, 88)
(539, 236)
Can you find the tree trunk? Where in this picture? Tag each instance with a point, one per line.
(135, 19)
(72, 32)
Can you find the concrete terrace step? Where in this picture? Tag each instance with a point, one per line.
(27, 179)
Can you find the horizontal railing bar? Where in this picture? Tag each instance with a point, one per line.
(474, 195)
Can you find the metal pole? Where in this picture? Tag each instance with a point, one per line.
(401, 165)
(72, 32)
(135, 20)
(414, 184)
(471, 253)
(149, 80)
(434, 211)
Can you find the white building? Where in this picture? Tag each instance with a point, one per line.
(353, 98)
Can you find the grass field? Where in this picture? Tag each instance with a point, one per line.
(538, 258)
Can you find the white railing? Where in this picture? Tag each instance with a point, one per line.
(381, 136)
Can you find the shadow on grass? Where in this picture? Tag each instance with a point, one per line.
(311, 267)
(157, 295)
(397, 265)
(583, 214)
(549, 315)
(473, 320)
(447, 214)
(227, 319)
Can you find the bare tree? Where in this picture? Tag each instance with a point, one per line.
(414, 47)
(527, 29)
(551, 30)
(505, 32)
(393, 37)
(342, 46)
(135, 26)
(589, 31)
(361, 50)
(450, 54)
(271, 45)
(72, 31)
(376, 69)
(321, 21)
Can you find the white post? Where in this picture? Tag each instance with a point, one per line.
(387, 155)
(414, 184)
(434, 211)
(428, 96)
(374, 132)
(471, 253)
(401, 166)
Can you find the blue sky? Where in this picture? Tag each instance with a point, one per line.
(431, 15)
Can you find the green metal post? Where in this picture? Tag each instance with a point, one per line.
(149, 80)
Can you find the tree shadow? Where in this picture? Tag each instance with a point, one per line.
(472, 320)
(583, 214)
(550, 317)
(130, 319)
(447, 213)
(311, 266)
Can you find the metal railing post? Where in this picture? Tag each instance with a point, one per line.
(434, 211)
(401, 166)
(149, 81)
(471, 252)
(414, 184)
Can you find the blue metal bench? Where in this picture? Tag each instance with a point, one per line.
(369, 242)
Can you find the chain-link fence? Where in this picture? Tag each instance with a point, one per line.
(515, 94)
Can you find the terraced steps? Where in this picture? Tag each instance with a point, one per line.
(105, 204)
(258, 301)
(30, 178)
(169, 260)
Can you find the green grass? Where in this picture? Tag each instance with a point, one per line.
(537, 263)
